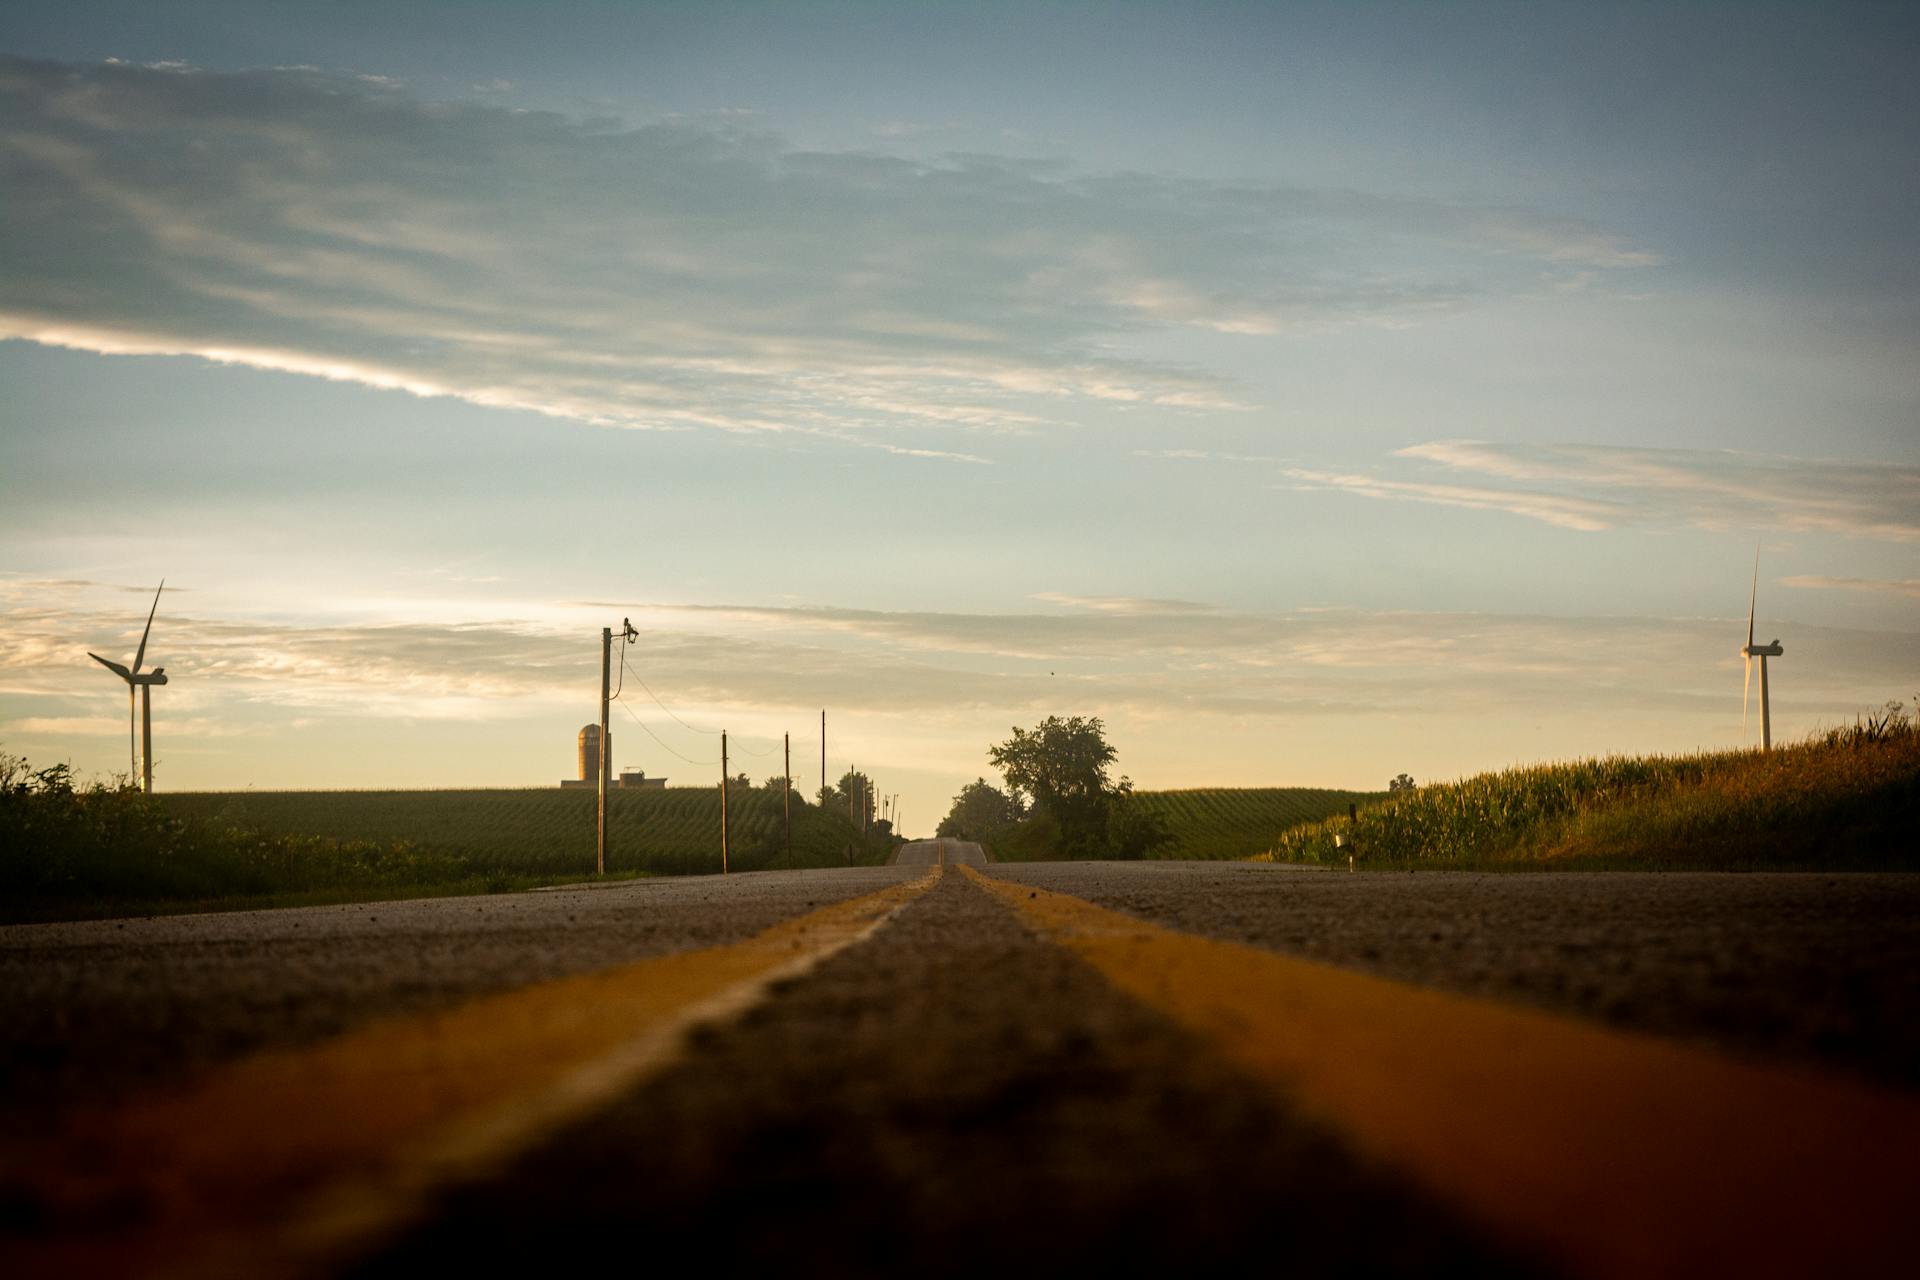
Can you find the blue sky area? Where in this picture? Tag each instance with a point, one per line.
(1315, 392)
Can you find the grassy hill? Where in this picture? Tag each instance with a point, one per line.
(1848, 801)
(1239, 822)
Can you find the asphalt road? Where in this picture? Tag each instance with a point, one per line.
(100, 1009)
(906, 1068)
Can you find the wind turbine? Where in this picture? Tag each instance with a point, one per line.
(141, 684)
(1762, 652)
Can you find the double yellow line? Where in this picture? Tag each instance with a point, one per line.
(1608, 1153)
(356, 1132)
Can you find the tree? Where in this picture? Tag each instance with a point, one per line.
(981, 812)
(845, 797)
(1133, 831)
(1062, 765)
(1062, 762)
(1402, 783)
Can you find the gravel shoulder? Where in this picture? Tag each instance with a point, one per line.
(1822, 969)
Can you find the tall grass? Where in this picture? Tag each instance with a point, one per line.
(1848, 799)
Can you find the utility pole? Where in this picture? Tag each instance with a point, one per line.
(606, 691)
(627, 636)
(723, 803)
(823, 758)
(786, 790)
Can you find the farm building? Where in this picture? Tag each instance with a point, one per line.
(590, 756)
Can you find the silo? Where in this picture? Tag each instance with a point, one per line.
(590, 753)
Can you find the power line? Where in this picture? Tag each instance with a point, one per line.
(624, 672)
(663, 706)
(656, 737)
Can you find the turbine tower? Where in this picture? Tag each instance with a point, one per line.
(141, 758)
(1762, 652)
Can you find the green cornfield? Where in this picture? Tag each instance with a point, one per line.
(1239, 822)
(1847, 800)
(545, 831)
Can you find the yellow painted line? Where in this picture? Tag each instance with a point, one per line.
(1614, 1154)
(286, 1161)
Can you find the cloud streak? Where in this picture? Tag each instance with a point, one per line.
(1564, 511)
(1909, 587)
(686, 274)
(1589, 488)
(933, 686)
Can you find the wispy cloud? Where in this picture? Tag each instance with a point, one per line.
(1712, 489)
(1565, 511)
(688, 274)
(1909, 587)
(1132, 606)
(938, 683)
(110, 727)
(67, 726)
(1595, 487)
(1212, 455)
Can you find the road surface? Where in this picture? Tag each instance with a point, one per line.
(945, 1066)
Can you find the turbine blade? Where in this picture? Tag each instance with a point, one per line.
(142, 652)
(1746, 689)
(1754, 598)
(114, 667)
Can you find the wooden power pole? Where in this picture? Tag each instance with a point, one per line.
(606, 690)
(823, 758)
(723, 804)
(786, 790)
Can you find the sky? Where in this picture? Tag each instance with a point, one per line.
(1314, 392)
